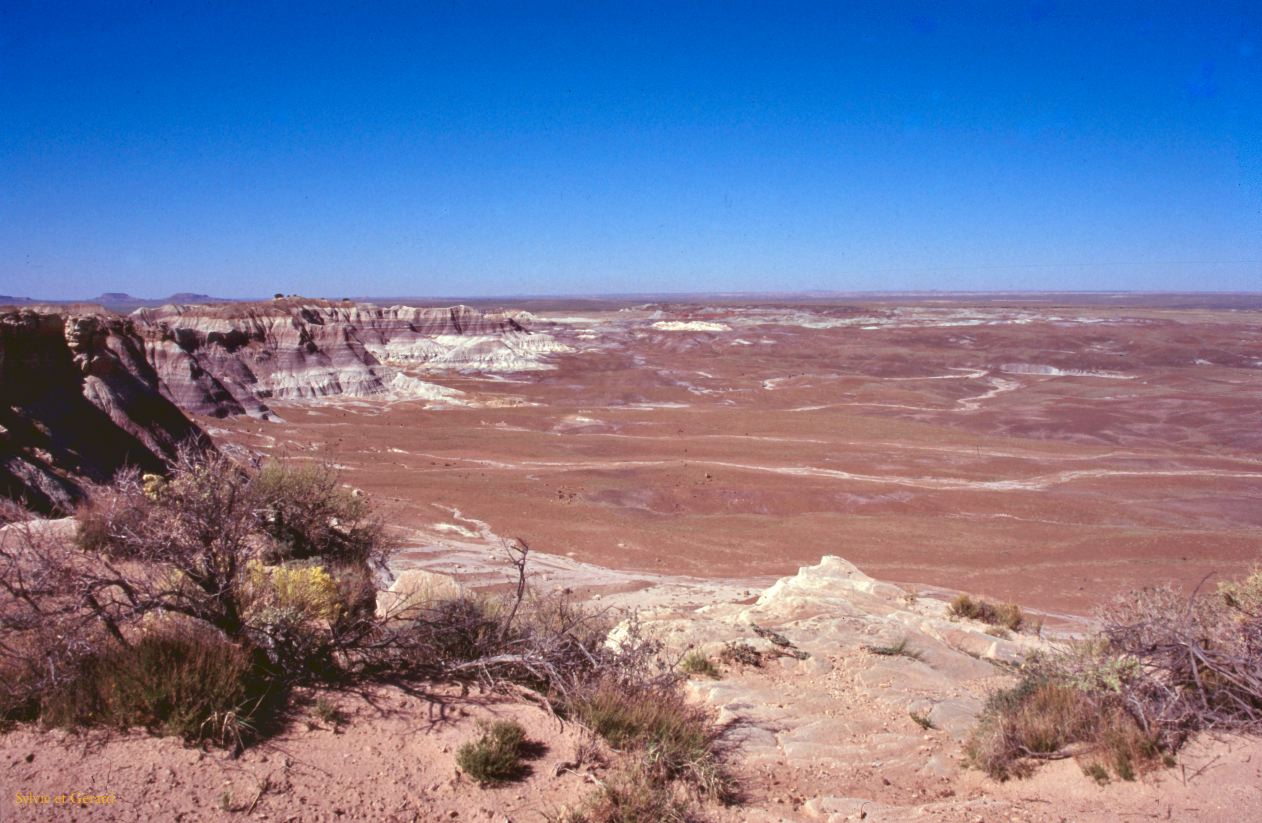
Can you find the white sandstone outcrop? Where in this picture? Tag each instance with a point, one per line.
(413, 591)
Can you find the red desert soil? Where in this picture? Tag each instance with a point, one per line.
(1048, 454)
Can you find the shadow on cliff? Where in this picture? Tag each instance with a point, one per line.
(78, 401)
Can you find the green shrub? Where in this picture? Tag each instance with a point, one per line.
(497, 755)
(696, 662)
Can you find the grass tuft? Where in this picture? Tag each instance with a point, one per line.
(898, 649)
(497, 756)
(1040, 720)
(188, 682)
(1006, 615)
(923, 721)
(673, 739)
(696, 662)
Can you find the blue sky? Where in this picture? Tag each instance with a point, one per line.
(463, 148)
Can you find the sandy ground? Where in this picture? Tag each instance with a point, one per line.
(1049, 455)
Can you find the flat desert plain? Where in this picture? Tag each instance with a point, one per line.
(1051, 451)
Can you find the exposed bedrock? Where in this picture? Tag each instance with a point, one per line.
(823, 699)
(85, 392)
(227, 360)
(79, 400)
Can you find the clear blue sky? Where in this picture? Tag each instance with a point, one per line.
(462, 148)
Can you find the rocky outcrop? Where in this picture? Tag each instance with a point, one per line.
(84, 392)
(857, 677)
(227, 360)
(413, 591)
(79, 400)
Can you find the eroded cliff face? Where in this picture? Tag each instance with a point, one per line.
(226, 360)
(79, 400)
(84, 392)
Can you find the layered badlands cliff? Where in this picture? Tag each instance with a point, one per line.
(79, 400)
(86, 392)
(228, 360)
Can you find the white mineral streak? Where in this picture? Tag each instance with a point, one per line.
(1052, 371)
(690, 325)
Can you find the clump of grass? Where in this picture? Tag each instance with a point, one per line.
(1041, 719)
(497, 756)
(1007, 615)
(922, 720)
(184, 681)
(327, 712)
(672, 740)
(698, 663)
(632, 795)
(898, 649)
(740, 653)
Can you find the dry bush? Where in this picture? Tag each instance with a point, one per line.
(740, 653)
(1163, 666)
(12, 511)
(1192, 663)
(1044, 720)
(1006, 615)
(191, 546)
(545, 643)
(673, 738)
(176, 679)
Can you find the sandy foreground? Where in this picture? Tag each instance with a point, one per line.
(828, 737)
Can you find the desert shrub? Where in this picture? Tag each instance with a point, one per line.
(899, 649)
(673, 738)
(308, 513)
(497, 756)
(1041, 719)
(308, 591)
(1244, 596)
(454, 631)
(176, 679)
(13, 511)
(191, 546)
(1006, 615)
(697, 662)
(1188, 663)
(1162, 667)
(632, 795)
(546, 643)
(738, 652)
(213, 522)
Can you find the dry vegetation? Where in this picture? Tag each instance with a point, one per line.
(193, 605)
(1163, 667)
(1004, 615)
